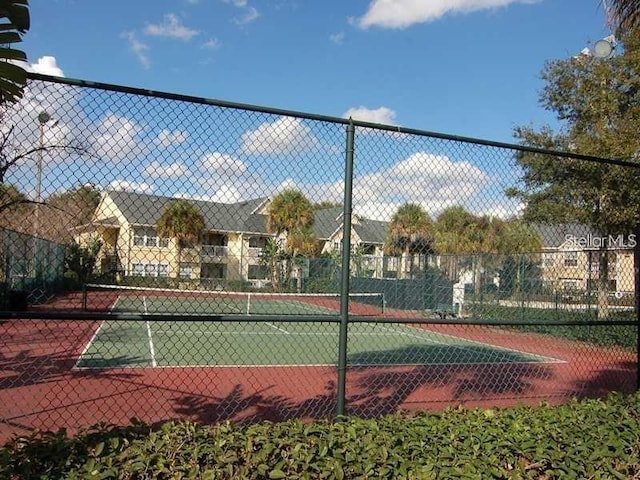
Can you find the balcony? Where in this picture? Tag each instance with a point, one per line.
(215, 251)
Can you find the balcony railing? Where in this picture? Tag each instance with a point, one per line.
(214, 251)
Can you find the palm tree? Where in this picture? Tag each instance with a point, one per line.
(291, 214)
(452, 229)
(183, 222)
(624, 15)
(410, 232)
(13, 78)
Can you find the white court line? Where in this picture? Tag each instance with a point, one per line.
(476, 342)
(286, 332)
(251, 333)
(87, 346)
(304, 365)
(152, 350)
(93, 337)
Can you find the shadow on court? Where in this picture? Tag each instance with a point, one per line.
(391, 380)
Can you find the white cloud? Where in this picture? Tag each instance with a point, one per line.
(337, 38)
(127, 186)
(227, 194)
(404, 13)
(251, 15)
(211, 44)
(379, 115)
(46, 65)
(156, 170)
(236, 3)
(116, 138)
(283, 136)
(433, 181)
(222, 163)
(166, 138)
(138, 48)
(170, 27)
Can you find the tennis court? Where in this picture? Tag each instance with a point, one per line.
(149, 342)
(131, 344)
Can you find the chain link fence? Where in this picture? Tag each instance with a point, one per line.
(218, 261)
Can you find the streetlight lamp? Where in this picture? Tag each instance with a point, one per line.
(604, 48)
(43, 118)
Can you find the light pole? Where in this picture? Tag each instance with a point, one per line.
(43, 117)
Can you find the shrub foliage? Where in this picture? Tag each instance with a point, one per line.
(582, 439)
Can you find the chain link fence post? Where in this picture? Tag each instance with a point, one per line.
(344, 280)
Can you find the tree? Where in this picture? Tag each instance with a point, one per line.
(597, 101)
(13, 78)
(80, 262)
(326, 204)
(458, 232)
(410, 232)
(291, 214)
(624, 14)
(183, 222)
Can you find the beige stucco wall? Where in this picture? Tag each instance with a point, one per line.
(554, 270)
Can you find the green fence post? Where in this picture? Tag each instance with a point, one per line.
(636, 287)
(346, 259)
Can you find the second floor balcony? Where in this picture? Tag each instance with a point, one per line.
(217, 251)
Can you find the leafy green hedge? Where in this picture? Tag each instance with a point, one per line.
(586, 439)
(603, 335)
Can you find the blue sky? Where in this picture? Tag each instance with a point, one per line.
(442, 66)
(462, 67)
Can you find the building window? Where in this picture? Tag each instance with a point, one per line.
(254, 242)
(258, 272)
(186, 271)
(147, 237)
(569, 285)
(392, 263)
(570, 259)
(150, 270)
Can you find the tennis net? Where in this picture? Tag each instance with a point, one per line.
(147, 300)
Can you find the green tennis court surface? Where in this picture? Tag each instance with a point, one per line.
(240, 305)
(131, 344)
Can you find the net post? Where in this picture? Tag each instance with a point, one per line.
(84, 297)
(344, 283)
(248, 303)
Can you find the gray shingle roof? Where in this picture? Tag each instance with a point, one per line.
(371, 231)
(553, 236)
(328, 220)
(145, 209)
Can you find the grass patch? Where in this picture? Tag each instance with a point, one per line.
(582, 439)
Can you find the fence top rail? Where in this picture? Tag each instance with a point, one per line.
(353, 319)
(326, 118)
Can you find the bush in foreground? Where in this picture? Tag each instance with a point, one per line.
(586, 439)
